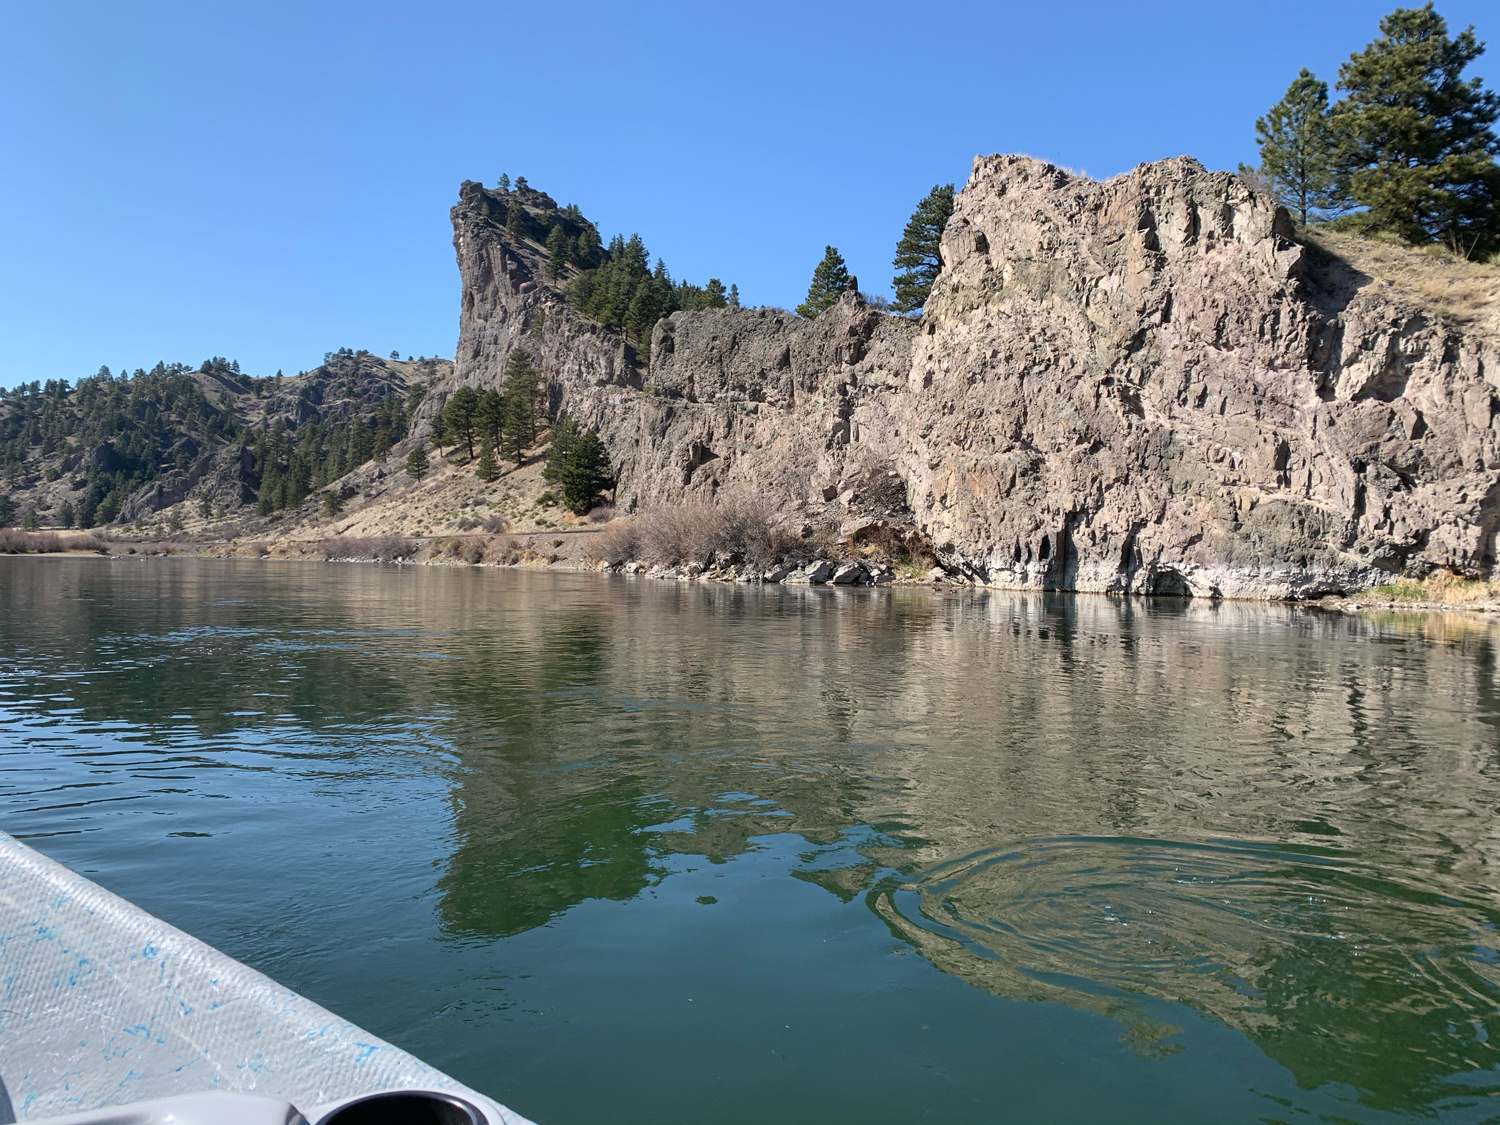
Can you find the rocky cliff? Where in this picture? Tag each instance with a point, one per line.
(1145, 385)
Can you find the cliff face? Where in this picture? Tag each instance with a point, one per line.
(1139, 385)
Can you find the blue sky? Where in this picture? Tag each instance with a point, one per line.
(270, 181)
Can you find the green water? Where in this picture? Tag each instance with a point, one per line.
(614, 850)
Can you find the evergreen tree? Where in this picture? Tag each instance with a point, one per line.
(586, 250)
(439, 431)
(7, 510)
(503, 183)
(516, 220)
(586, 473)
(557, 251)
(521, 184)
(523, 383)
(1414, 142)
(491, 416)
(333, 503)
(416, 462)
(1296, 150)
(564, 435)
(829, 280)
(486, 470)
(66, 514)
(918, 253)
(714, 296)
(461, 417)
(734, 296)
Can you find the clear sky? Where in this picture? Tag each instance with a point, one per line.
(269, 181)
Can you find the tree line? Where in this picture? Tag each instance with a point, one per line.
(507, 422)
(1408, 149)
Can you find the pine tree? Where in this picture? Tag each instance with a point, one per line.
(503, 183)
(491, 416)
(1413, 138)
(460, 417)
(587, 251)
(829, 280)
(1296, 150)
(557, 251)
(586, 473)
(734, 296)
(520, 399)
(918, 253)
(8, 511)
(714, 296)
(66, 514)
(487, 470)
(564, 436)
(416, 463)
(333, 503)
(516, 220)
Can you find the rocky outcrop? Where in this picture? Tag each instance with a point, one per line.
(1142, 385)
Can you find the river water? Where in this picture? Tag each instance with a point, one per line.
(611, 849)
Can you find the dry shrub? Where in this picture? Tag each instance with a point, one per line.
(495, 525)
(14, 541)
(618, 543)
(738, 528)
(502, 550)
(382, 548)
(465, 548)
(601, 515)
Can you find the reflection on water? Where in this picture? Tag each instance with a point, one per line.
(1231, 860)
(1327, 963)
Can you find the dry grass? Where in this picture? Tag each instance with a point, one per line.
(1437, 589)
(384, 548)
(1431, 276)
(739, 528)
(14, 541)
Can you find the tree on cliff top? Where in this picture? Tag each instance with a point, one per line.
(1414, 139)
(829, 280)
(1296, 149)
(559, 251)
(918, 254)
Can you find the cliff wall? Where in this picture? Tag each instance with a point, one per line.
(1141, 385)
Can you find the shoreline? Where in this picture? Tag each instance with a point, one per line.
(1342, 603)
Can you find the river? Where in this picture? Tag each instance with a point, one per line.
(613, 849)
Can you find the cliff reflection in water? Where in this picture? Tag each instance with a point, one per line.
(1281, 818)
(1278, 817)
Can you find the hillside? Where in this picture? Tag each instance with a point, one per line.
(128, 449)
(1153, 384)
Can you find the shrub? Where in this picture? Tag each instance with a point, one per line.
(739, 528)
(502, 550)
(601, 515)
(494, 525)
(17, 542)
(465, 548)
(384, 548)
(616, 544)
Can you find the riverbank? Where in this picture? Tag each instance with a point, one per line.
(577, 550)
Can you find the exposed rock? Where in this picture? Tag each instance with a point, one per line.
(1141, 385)
(849, 574)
